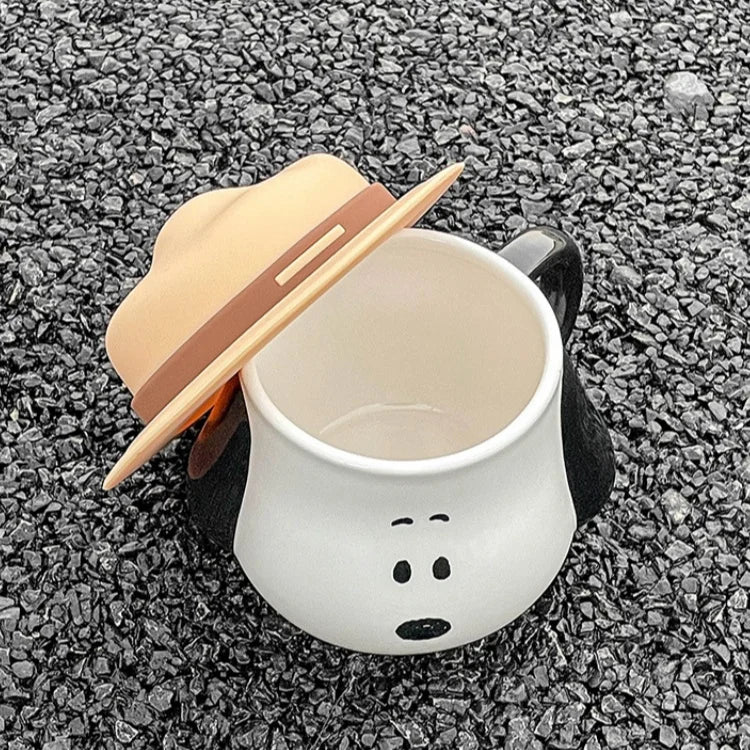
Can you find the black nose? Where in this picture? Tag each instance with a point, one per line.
(421, 630)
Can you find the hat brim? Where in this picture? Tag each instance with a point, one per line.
(172, 419)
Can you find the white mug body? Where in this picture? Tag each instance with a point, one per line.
(407, 489)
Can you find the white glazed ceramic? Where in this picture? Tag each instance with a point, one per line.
(425, 385)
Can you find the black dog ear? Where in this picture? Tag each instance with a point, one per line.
(217, 468)
(587, 447)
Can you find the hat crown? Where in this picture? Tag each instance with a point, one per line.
(211, 248)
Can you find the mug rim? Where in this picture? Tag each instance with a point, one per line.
(535, 407)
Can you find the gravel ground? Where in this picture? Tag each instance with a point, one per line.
(119, 625)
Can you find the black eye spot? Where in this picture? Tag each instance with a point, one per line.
(441, 568)
(401, 571)
(399, 521)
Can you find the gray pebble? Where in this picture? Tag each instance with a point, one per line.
(578, 150)
(119, 624)
(340, 18)
(124, 732)
(627, 275)
(526, 100)
(685, 92)
(676, 506)
(23, 669)
(8, 158)
(621, 19)
(678, 549)
(182, 41)
(49, 113)
(667, 736)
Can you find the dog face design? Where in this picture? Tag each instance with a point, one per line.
(408, 577)
(411, 569)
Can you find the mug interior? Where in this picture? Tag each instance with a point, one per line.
(428, 347)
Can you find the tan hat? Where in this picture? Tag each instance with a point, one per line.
(230, 269)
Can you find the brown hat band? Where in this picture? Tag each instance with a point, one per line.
(265, 291)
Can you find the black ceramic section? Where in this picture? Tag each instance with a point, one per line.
(552, 259)
(587, 447)
(216, 497)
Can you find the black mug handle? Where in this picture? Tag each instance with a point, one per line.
(552, 259)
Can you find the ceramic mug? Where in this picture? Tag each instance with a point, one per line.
(422, 449)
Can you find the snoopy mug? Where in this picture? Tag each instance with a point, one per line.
(402, 467)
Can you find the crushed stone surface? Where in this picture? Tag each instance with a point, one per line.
(626, 124)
